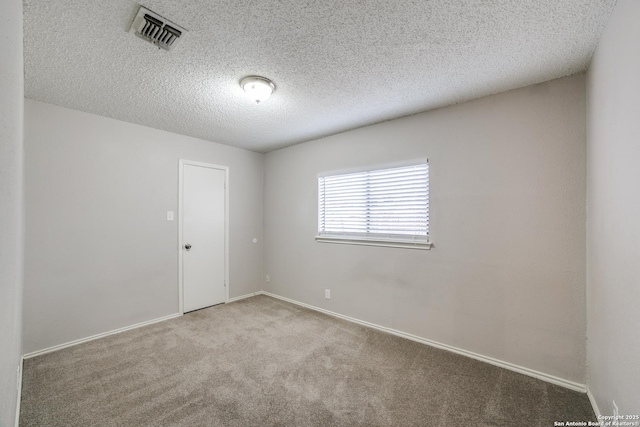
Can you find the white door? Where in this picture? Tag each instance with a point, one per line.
(203, 236)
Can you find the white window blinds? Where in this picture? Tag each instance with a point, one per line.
(387, 203)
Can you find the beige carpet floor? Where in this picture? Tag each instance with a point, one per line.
(265, 362)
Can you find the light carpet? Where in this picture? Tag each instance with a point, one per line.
(265, 362)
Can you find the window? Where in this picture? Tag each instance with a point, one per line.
(383, 207)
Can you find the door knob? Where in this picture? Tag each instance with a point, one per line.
(187, 246)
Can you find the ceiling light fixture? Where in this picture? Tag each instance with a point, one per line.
(257, 88)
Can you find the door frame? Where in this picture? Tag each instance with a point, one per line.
(181, 165)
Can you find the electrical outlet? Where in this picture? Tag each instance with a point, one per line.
(267, 278)
(615, 412)
(327, 293)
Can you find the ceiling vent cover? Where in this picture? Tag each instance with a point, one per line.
(155, 29)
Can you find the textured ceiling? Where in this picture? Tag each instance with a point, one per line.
(337, 64)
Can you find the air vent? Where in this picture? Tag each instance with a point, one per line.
(155, 29)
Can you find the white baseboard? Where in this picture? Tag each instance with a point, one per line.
(117, 331)
(95, 337)
(594, 404)
(19, 392)
(244, 296)
(496, 362)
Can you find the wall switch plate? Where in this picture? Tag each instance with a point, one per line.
(267, 278)
(327, 293)
(169, 215)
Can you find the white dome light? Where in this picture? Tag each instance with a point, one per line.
(257, 88)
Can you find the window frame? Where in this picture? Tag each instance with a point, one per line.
(397, 241)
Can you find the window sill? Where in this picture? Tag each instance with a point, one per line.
(406, 244)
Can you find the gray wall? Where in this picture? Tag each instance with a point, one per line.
(506, 278)
(11, 201)
(613, 212)
(100, 254)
